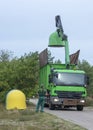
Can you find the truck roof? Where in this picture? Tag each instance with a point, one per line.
(69, 71)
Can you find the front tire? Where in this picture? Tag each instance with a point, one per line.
(80, 108)
(51, 106)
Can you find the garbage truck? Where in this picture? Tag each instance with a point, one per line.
(65, 83)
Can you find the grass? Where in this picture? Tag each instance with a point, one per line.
(30, 120)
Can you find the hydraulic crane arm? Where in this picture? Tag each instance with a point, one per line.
(59, 39)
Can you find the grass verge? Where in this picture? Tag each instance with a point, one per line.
(30, 120)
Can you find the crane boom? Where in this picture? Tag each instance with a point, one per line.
(59, 39)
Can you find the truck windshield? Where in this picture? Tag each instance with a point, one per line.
(71, 79)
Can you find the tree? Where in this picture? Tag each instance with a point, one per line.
(21, 73)
(58, 61)
(5, 55)
(50, 58)
(25, 73)
(84, 65)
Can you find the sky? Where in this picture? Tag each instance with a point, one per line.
(25, 26)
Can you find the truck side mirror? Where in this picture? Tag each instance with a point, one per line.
(50, 78)
(56, 75)
(87, 80)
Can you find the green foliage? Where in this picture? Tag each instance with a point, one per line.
(50, 58)
(84, 65)
(89, 101)
(5, 55)
(58, 61)
(23, 73)
(19, 74)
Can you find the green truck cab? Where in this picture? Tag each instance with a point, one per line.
(65, 87)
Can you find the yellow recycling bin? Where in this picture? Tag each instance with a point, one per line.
(15, 99)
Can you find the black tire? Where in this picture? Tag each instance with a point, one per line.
(80, 108)
(45, 105)
(51, 106)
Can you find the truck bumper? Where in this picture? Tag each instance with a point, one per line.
(66, 101)
(73, 102)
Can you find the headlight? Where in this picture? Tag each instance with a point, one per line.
(56, 99)
(82, 101)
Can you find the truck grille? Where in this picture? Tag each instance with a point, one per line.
(66, 94)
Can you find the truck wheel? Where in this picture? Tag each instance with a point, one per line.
(80, 108)
(51, 106)
(45, 105)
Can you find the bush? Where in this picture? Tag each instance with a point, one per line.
(89, 101)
